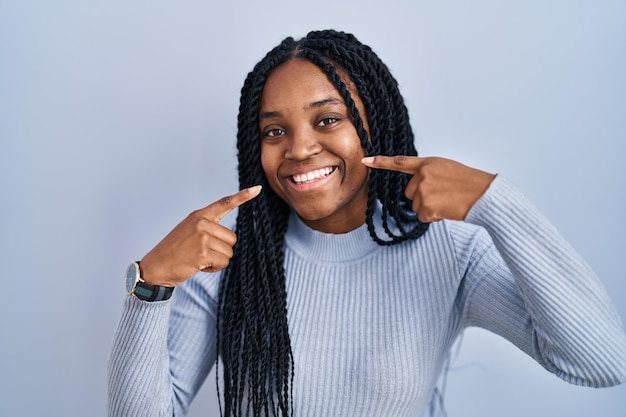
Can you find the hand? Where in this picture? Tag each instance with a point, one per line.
(198, 243)
(439, 188)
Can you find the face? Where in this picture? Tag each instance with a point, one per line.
(310, 151)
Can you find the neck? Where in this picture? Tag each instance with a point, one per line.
(336, 226)
(320, 246)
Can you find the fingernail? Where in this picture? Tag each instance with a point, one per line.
(255, 189)
(368, 160)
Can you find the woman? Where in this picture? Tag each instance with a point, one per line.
(355, 263)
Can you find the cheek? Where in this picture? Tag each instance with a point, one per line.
(360, 173)
(354, 155)
(270, 164)
(266, 162)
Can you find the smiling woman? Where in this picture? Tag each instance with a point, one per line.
(354, 267)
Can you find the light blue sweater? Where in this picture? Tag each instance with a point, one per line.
(371, 326)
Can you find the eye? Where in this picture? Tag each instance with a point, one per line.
(327, 121)
(273, 132)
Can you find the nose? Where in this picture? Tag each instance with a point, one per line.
(302, 144)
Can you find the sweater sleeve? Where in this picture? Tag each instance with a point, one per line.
(531, 287)
(162, 352)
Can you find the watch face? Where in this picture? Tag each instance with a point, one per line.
(132, 276)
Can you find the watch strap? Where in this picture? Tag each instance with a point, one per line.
(147, 292)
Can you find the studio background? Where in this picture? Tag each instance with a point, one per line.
(118, 118)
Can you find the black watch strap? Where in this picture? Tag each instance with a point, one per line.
(147, 292)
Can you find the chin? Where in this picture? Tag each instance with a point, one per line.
(309, 215)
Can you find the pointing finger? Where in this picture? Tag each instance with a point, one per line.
(225, 205)
(401, 163)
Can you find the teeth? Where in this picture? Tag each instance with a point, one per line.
(312, 176)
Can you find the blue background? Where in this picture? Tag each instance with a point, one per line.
(118, 118)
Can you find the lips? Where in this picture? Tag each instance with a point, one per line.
(312, 176)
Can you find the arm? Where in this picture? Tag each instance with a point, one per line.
(163, 351)
(138, 370)
(156, 369)
(544, 297)
(531, 287)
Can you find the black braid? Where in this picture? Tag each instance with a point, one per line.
(253, 335)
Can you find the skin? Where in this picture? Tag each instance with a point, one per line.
(305, 127)
(439, 188)
(198, 243)
(297, 139)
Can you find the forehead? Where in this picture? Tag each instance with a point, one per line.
(297, 81)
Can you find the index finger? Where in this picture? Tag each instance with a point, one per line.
(401, 163)
(217, 210)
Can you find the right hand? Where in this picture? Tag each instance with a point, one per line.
(198, 243)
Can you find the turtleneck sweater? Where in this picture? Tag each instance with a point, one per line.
(371, 326)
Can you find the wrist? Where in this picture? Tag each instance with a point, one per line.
(138, 287)
(152, 274)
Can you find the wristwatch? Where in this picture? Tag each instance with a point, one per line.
(136, 286)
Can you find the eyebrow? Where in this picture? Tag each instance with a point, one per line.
(322, 103)
(310, 106)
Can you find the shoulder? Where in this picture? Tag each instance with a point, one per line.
(462, 236)
(464, 242)
(501, 201)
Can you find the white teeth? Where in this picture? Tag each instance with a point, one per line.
(311, 176)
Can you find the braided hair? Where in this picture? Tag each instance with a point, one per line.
(253, 336)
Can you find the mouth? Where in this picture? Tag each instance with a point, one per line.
(312, 176)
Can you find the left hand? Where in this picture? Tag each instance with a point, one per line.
(439, 188)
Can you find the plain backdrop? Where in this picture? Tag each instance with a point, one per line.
(118, 118)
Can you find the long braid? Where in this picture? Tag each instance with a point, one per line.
(253, 340)
(253, 335)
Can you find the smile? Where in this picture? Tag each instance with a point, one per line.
(312, 176)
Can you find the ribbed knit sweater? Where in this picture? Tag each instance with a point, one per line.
(371, 326)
